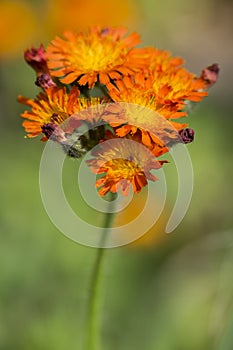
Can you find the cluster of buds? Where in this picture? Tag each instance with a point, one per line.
(98, 86)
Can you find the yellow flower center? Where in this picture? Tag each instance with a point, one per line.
(96, 55)
(122, 169)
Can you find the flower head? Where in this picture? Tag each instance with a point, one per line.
(54, 106)
(142, 124)
(164, 88)
(140, 111)
(102, 53)
(123, 162)
(177, 85)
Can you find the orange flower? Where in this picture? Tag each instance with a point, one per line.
(177, 85)
(163, 88)
(103, 54)
(145, 125)
(169, 89)
(140, 112)
(140, 91)
(53, 107)
(123, 162)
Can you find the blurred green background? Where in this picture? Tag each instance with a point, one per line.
(167, 292)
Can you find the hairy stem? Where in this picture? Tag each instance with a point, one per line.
(93, 321)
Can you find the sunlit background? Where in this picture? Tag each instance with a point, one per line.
(164, 292)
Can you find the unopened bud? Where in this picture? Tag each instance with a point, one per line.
(36, 59)
(45, 81)
(53, 132)
(210, 74)
(187, 135)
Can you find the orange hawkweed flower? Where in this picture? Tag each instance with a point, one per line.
(54, 106)
(163, 88)
(140, 91)
(139, 112)
(177, 85)
(103, 54)
(145, 125)
(123, 162)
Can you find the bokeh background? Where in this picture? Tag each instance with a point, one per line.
(164, 292)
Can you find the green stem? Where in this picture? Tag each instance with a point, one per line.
(93, 318)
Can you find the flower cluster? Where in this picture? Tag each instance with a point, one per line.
(100, 92)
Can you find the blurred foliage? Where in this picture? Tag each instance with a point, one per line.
(170, 292)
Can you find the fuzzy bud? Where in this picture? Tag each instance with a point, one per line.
(36, 59)
(44, 81)
(53, 132)
(187, 135)
(210, 74)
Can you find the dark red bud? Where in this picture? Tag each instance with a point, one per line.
(36, 58)
(44, 81)
(53, 132)
(187, 135)
(210, 74)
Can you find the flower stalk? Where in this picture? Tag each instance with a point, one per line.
(93, 341)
